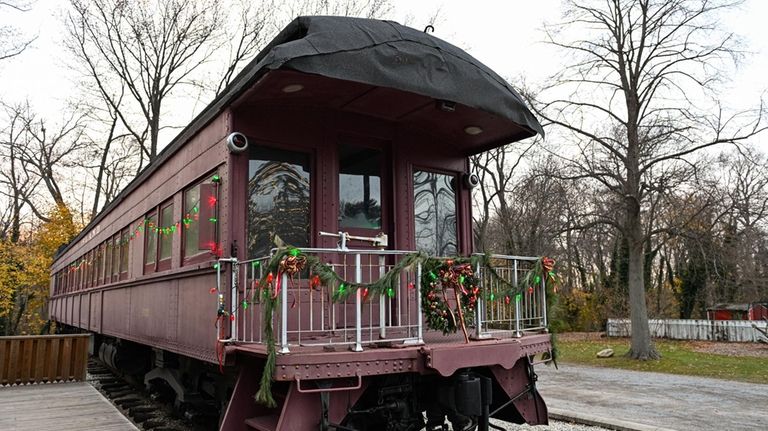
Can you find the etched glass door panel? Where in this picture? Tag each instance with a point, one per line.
(434, 204)
(278, 199)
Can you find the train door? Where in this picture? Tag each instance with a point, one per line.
(364, 192)
(364, 213)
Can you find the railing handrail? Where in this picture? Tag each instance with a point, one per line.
(492, 318)
(508, 257)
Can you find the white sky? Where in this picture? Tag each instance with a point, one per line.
(504, 34)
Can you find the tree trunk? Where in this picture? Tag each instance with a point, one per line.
(102, 167)
(642, 346)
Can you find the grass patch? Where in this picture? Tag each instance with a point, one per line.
(677, 357)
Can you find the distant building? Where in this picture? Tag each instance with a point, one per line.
(750, 311)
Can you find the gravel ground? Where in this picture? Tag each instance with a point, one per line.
(553, 426)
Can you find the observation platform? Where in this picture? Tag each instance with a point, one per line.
(76, 406)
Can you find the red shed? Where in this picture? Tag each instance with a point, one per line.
(749, 311)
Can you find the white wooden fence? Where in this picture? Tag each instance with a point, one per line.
(693, 329)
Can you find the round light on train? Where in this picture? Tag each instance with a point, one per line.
(473, 130)
(292, 88)
(237, 142)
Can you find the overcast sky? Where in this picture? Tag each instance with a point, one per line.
(504, 34)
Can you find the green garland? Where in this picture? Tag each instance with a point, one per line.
(437, 275)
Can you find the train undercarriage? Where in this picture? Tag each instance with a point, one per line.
(383, 400)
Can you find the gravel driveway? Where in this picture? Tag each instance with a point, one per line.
(663, 400)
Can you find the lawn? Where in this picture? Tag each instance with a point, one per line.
(678, 357)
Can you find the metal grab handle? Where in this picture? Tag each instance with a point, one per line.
(340, 389)
(543, 361)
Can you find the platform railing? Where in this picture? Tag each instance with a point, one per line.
(500, 314)
(307, 315)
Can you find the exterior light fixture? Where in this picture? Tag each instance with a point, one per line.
(473, 130)
(292, 88)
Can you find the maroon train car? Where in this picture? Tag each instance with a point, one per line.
(349, 139)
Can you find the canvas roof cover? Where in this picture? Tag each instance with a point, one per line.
(387, 54)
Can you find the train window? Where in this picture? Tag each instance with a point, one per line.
(115, 257)
(124, 254)
(150, 243)
(99, 264)
(107, 260)
(200, 219)
(166, 237)
(278, 199)
(359, 187)
(89, 270)
(434, 198)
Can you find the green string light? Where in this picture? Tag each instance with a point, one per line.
(493, 297)
(215, 266)
(390, 292)
(255, 264)
(245, 304)
(342, 288)
(294, 252)
(537, 279)
(432, 275)
(518, 297)
(216, 178)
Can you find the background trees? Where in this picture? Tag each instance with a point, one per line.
(132, 59)
(631, 104)
(630, 191)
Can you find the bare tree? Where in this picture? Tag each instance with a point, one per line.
(496, 169)
(46, 151)
(12, 43)
(18, 184)
(150, 48)
(633, 101)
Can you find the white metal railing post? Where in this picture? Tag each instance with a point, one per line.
(480, 309)
(358, 347)
(219, 298)
(234, 302)
(544, 300)
(284, 315)
(517, 302)
(382, 302)
(419, 315)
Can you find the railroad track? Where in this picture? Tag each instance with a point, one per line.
(149, 411)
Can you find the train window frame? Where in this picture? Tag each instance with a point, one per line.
(157, 262)
(150, 266)
(125, 253)
(78, 274)
(89, 271)
(101, 253)
(115, 276)
(107, 274)
(385, 190)
(70, 278)
(164, 263)
(456, 177)
(190, 216)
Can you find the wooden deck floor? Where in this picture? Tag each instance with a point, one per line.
(58, 407)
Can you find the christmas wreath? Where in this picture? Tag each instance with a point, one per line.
(449, 292)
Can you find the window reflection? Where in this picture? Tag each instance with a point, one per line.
(278, 199)
(359, 187)
(435, 213)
